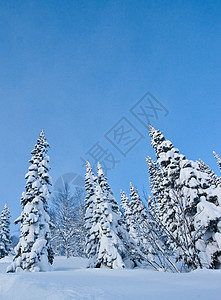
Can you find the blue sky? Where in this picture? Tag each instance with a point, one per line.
(77, 67)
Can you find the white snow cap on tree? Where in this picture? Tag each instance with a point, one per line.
(5, 241)
(33, 252)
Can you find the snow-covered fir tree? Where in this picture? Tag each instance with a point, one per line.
(5, 240)
(189, 208)
(90, 206)
(170, 206)
(132, 253)
(168, 159)
(34, 252)
(106, 233)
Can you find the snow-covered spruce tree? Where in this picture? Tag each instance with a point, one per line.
(168, 159)
(188, 196)
(215, 180)
(34, 252)
(131, 253)
(218, 159)
(170, 206)
(5, 240)
(90, 206)
(106, 233)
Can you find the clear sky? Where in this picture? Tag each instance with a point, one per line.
(77, 68)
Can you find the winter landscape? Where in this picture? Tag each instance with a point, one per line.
(174, 240)
(105, 193)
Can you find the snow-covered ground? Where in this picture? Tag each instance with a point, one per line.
(70, 279)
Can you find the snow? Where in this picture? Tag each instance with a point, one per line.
(70, 279)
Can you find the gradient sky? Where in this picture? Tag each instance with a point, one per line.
(77, 67)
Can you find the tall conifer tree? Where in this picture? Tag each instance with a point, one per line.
(190, 209)
(34, 252)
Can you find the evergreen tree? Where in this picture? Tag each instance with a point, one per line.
(90, 206)
(131, 253)
(168, 159)
(5, 240)
(34, 252)
(187, 196)
(106, 233)
(170, 206)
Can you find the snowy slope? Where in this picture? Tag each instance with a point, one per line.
(70, 279)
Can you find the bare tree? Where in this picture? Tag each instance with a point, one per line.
(67, 215)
